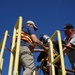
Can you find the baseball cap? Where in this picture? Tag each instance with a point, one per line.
(31, 22)
(68, 26)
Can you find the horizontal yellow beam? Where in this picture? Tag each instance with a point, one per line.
(56, 59)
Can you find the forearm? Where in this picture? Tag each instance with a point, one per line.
(40, 45)
(65, 50)
(43, 47)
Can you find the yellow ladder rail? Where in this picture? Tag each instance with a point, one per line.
(57, 33)
(13, 65)
(51, 58)
(2, 46)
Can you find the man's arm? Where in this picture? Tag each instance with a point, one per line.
(68, 47)
(37, 41)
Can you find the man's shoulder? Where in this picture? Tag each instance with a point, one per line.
(28, 27)
(29, 30)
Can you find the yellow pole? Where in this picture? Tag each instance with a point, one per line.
(15, 48)
(12, 55)
(51, 58)
(16, 64)
(3, 43)
(60, 50)
(2, 49)
(61, 54)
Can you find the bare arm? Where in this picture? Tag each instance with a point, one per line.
(67, 47)
(37, 41)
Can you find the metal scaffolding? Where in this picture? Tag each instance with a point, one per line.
(15, 49)
(51, 57)
(2, 47)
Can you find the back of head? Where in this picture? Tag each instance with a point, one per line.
(44, 39)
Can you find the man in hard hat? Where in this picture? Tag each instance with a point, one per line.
(43, 56)
(28, 41)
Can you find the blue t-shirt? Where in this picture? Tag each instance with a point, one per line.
(29, 30)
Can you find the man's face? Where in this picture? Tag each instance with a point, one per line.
(29, 24)
(67, 33)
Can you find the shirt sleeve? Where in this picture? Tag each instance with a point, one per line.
(29, 30)
(72, 41)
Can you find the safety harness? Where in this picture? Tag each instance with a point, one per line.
(27, 38)
(45, 61)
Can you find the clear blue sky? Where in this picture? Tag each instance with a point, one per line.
(48, 15)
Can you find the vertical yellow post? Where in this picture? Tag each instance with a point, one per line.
(51, 58)
(2, 49)
(4, 42)
(16, 63)
(14, 60)
(61, 54)
(60, 50)
(12, 55)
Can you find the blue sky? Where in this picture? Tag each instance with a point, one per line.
(48, 15)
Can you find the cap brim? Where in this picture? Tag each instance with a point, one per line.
(35, 27)
(64, 29)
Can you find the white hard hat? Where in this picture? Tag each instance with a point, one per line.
(31, 22)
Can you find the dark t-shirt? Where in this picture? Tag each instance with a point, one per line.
(29, 30)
